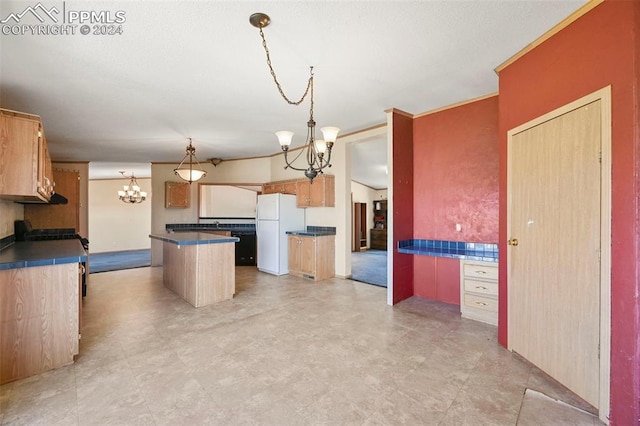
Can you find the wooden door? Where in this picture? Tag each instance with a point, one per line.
(359, 227)
(554, 270)
(47, 216)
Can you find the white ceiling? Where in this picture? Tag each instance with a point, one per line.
(197, 69)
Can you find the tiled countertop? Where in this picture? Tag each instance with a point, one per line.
(487, 252)
(314, 231)
(193, 238)
(26, 254)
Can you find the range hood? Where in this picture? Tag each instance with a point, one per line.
(55, 199)
(58, 199)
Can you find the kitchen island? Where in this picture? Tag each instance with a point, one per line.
(199, 267)
(39, 306)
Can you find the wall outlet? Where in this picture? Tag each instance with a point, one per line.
(458, 227)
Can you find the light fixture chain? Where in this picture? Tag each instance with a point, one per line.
(275, 79)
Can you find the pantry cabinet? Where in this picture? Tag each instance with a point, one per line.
(312, 257)
(26, 174)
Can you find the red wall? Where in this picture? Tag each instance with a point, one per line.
(597, 50)
(455, 180)
(455, 176)
(402, 204)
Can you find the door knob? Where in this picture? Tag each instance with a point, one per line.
(513, 242)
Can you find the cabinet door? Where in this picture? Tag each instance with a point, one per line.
(303, 195)
(267, 188)
(18, 156)
(45, 170)
(290, 187)
(177, 194)
(308, 255)
(294, 253)
(317, 192)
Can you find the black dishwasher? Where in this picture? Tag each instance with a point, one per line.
(245, 248)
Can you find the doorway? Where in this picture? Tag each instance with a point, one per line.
(558, 256)
(359, 229)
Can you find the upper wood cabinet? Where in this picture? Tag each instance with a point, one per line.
(320, 193)
(25, 164)
(282, 187)
(177, 195)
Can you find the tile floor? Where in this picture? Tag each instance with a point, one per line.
(284, 351)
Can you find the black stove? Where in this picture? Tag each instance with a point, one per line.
(23, 231)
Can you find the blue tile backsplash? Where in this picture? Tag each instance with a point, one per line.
(205, 226)
(472, 251)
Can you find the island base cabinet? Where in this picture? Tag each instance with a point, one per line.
(39, 319)
(201, 274)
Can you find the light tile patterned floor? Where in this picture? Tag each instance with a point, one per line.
(284, 351)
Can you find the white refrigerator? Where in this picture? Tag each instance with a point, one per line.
(276, 214)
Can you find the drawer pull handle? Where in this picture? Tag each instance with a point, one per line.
(481, 303)
(481, 272)
(480, 287)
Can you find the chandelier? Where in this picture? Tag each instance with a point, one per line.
(187, 171)
(318, 151)
(131, 193)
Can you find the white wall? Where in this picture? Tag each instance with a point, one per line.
(114, 225)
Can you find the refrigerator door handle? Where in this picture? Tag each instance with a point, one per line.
(257, 216)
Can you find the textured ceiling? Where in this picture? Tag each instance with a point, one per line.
(197, 69)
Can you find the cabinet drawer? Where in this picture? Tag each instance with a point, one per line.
(481, 287)
(488, 272)
(479, 302)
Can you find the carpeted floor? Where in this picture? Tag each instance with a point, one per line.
(369, 267)
(116, 260)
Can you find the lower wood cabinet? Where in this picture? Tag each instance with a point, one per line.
(479, 291)
(39, 319)
(312, 257)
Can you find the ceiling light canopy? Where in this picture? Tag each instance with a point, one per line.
(132, 194)
(318, 151)
(190, 171)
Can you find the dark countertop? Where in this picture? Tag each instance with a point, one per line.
(222, 228)
(193, 238)
(311, 233)
(204, 227)
(24, 254)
